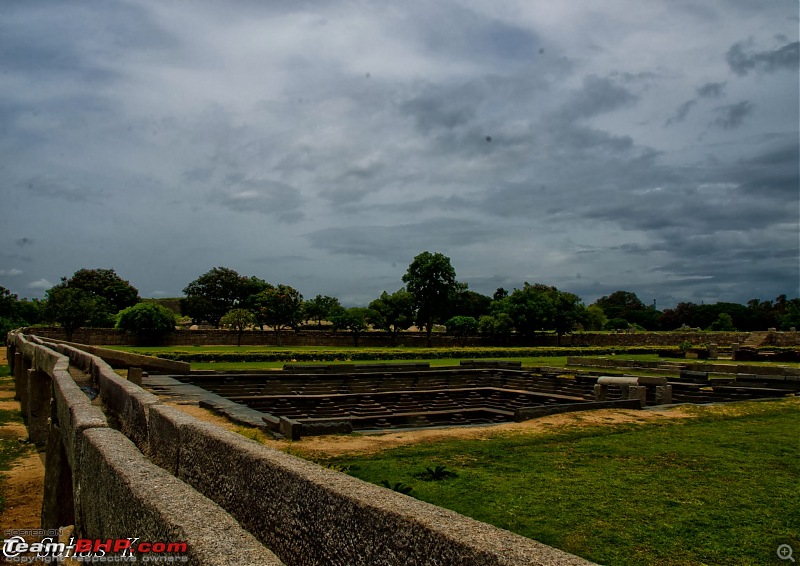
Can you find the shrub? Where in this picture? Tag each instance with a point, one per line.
(148, 322)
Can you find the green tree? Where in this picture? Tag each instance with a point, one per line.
(392, 313)
(279, 307)
(15, 313)
(724, 323)
(148, 322)
(627, 305)
(353, 319)
(531, 309)
(469, 303)
(217, 291)
(462, 327)
(320, 308)
(238, 320)
(8, 303)
(791, 314)
(431, 280)
(569, 312)
(498, 327)
(71, 307)
(595, 318)
(105, 284)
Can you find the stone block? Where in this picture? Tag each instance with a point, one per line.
(637, 392)
(129, 403)
(600, 392)
(38, 415)
(664, 395)
(135, 375)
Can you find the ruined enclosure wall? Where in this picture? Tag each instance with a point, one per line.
(209, 477)
(112, 337)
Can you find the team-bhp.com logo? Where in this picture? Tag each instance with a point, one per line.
(131, 549)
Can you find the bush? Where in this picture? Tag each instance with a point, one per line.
(149, 322)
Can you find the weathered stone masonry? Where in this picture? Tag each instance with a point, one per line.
(164, 475)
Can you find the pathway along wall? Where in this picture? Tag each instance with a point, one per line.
(165, 475)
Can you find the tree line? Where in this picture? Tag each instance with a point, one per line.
(431, 295)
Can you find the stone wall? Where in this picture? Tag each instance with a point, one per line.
(165, 475)
(112, 337)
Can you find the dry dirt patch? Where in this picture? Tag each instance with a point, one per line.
(337, 445)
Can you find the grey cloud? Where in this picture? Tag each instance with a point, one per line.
(23, 241)
(742, 62)
(598, 96)
(732, 116)
(400, 242)
(48, 186)
(711, 90)
(264, 196)
(682, 112)
(449, 29)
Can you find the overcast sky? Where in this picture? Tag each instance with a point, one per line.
(595, 146)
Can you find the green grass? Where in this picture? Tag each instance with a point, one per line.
(718, 489)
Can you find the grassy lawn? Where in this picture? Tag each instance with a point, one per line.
(721, 488)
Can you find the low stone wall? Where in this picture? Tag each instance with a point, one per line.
(112, 337)
(97, 480)
(179, 479)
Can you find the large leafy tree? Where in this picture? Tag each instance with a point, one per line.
(109, 292)
(431, 280)
(540, 307)
(107, 285)
(469, 303)
(71, 307)
(279, 307)
(531, 308)
(392, 313)
(217, 291)
(628, 306)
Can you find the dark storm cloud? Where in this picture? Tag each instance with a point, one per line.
(519, 139)
(743, 60)
(732, 116)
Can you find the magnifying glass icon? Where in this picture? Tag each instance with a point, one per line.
(785, 552)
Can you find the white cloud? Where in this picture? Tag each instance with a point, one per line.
(13, 272)
(42, 284)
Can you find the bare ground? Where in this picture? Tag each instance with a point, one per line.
(22, 485)
(337, 445)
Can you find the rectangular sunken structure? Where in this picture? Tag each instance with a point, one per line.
(327, 400)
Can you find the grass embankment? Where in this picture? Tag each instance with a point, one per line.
(721, 488)
(270, 357)
(10, 448)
